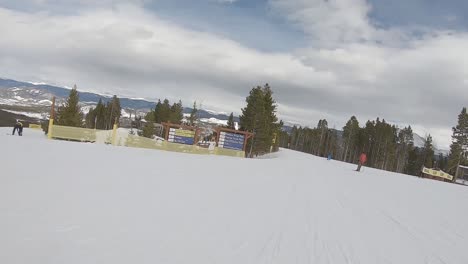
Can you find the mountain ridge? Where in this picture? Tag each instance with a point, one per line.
(14, 92)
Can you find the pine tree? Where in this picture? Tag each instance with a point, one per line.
(113, 111)
(271, 127)
(383, 144)
(166, 111)
(156, 114)
(259, 117)
(294, 137)
(90, 118)
(413, 166)
(230, 123)
(389, 145)
(278, 135)
(459, 147)
(176, 113)
(350, 138)
(332, 143)
(284, 138)
(379, 148)
(148, 130)
(367, 141)
(442, 162)
(100, 115)
(193, 118)
(252, 118)
(163, 112)
(150, 116)
(322, 128)
(405, 143)
(70, 113)
(428, 152)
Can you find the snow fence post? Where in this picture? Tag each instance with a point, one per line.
(114, 134)
(51, 119)
(49, 131)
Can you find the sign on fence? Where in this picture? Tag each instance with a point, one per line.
(181, 136)
(231, 141)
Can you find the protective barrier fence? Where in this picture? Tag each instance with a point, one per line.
(35, 126)
(437, 173)
(82, 134)
(142, 142)
(122, 137)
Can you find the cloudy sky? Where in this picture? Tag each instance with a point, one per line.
(405, 61)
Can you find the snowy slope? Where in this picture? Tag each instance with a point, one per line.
(105, 204)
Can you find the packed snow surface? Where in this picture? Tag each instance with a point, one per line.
(64, 202)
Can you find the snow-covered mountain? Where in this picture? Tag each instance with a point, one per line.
(33, 100)
(29, 94)
(420, 141)
(24, 96)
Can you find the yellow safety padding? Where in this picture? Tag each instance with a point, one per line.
(229, 152)
(51, 128)
(81, 134)
(117, 138)
(437, 173)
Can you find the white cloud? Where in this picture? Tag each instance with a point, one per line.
(328, 22)
(226, 1)
(129, 51)
(394, 73)
(69, 3)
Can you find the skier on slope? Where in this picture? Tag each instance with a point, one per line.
(18, 126)
(362, 161)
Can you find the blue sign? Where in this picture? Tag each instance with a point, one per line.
(231, 141)
(181, 136)
(183, 140)
(235, 146)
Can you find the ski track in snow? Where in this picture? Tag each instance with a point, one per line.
(105, 204)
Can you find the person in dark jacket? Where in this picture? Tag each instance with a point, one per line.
(362, 161)
(18, 127)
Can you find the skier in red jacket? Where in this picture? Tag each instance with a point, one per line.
(362, 161)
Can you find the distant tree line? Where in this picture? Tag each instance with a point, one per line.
(165, 112)
(387, 146)
(319, 141)
(102, 117)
